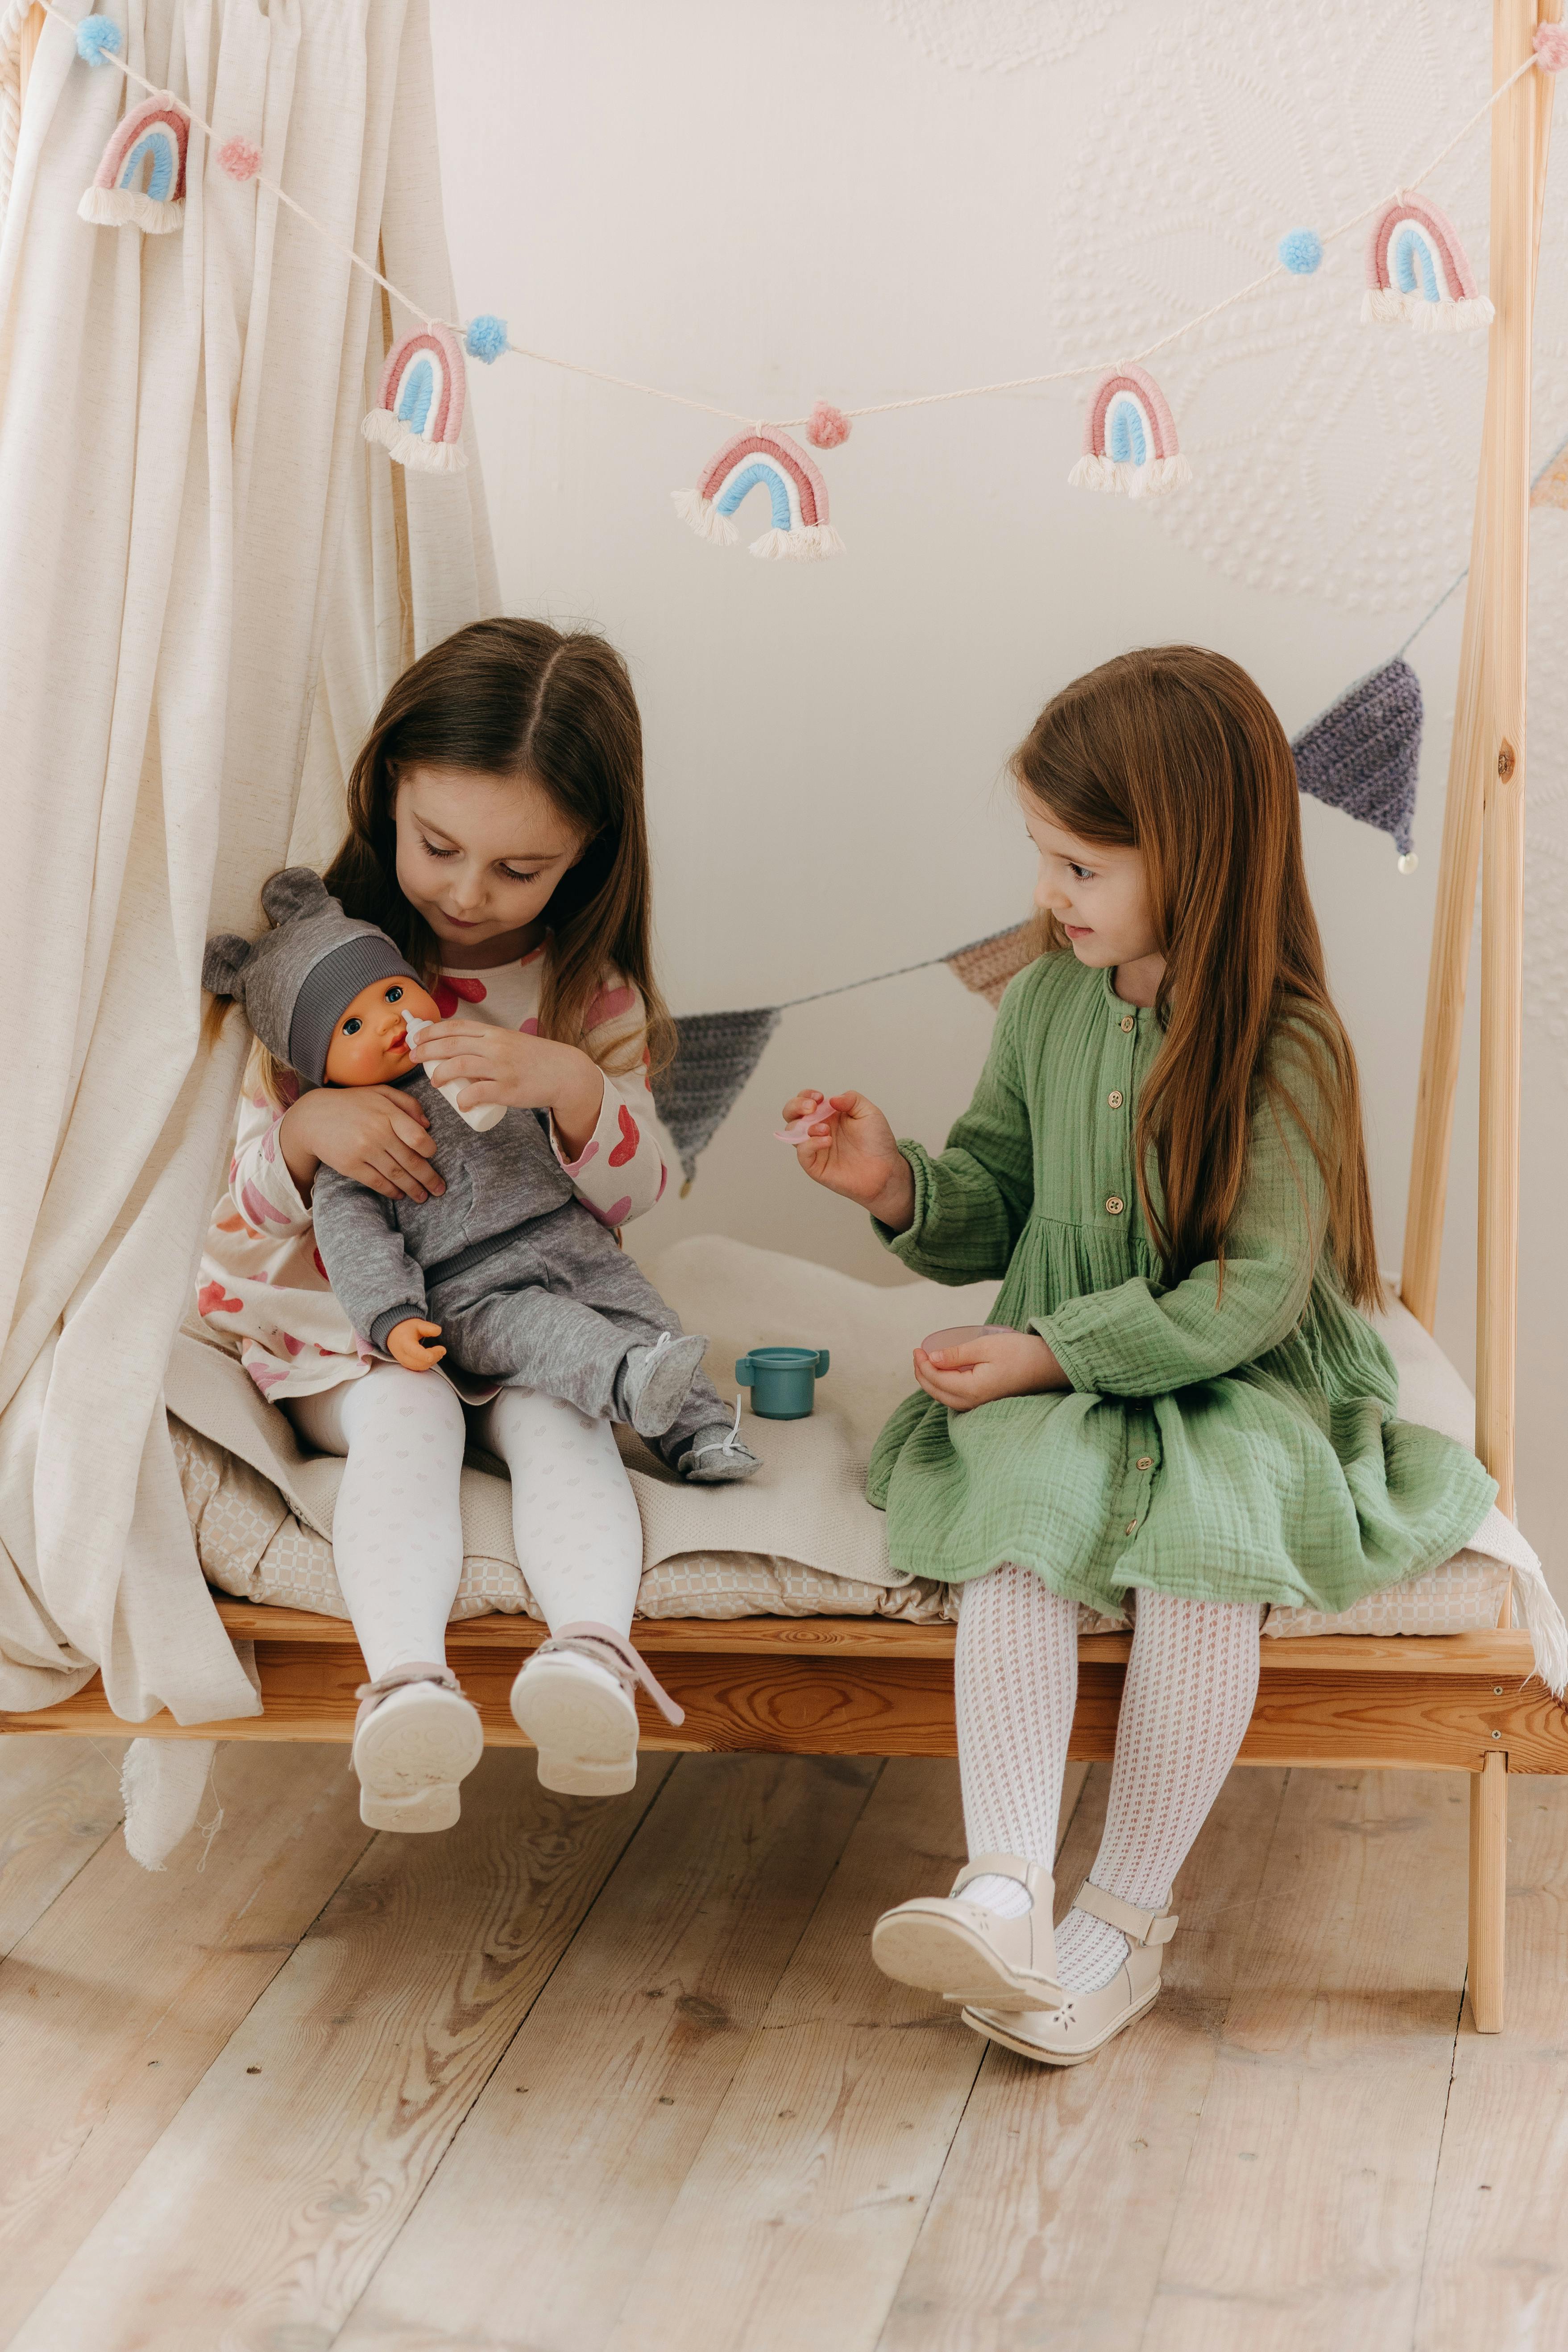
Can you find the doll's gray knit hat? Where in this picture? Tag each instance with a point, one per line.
(297, 978)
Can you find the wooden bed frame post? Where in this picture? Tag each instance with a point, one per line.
(1494, 738)
(1447, 972)
(1488, 1888)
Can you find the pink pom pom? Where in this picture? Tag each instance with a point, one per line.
(1551, 48)
(827, 427)
(239, 158)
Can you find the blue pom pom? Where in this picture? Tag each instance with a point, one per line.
(97, 37)
(1301, 250)
(486, 338)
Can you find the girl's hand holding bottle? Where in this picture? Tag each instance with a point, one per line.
(526, 1073)
(374, 1135)
(848, 1146)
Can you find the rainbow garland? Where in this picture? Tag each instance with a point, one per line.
(1416, 270)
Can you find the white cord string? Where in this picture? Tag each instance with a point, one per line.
(876, 408)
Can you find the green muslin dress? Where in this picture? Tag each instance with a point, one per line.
(1225, 1442)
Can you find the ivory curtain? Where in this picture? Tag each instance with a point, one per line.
(194, 539)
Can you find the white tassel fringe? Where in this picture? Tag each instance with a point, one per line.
(809, 544)
(1386, 306)
(407, 449)
(1542, 1621)
(129, 208)
(1497, 1537)
(701, 515)
(160, 1782)
(1468, 317)
(1146, 481)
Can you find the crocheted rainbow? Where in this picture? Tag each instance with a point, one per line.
(1418, 269)
(1129, 438)
(141, 180)
(799, 530)
(418, 414)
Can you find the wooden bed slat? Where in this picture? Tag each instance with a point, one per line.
(860, 1686)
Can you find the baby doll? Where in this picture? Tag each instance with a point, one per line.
(508, 1266)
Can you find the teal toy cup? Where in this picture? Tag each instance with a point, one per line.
(783, 1380)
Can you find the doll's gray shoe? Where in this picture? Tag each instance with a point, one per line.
(717, 1457)
(655, 1383)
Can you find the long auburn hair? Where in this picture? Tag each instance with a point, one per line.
(520, 699)
(1175, 751)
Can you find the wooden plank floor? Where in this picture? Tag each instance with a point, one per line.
(623, 2076)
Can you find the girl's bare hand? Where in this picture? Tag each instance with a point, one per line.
(372, 1134)
(851, 1149)
(999, 1364)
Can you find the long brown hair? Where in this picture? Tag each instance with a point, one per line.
(516, 698)
(1175, 751)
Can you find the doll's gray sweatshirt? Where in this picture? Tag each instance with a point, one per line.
(383, 1257)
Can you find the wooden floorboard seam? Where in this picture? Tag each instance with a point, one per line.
(505, 2054)
(1437, 2170)
(1173, 2208)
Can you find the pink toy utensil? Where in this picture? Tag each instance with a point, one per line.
(799, 1130)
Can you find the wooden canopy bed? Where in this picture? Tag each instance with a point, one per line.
(1463, 1702)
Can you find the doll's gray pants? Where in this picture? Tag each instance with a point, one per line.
(558, 1308)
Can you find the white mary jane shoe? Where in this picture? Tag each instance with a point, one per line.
(576, 1700)
(1080, 2023)
(967, 1953)
(415, 1737)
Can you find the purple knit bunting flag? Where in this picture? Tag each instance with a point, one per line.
(1361, 755)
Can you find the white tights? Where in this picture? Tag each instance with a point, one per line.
(1191, 1682)
(398, 1532)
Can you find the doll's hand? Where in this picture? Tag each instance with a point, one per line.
(851, 1149)
(372, 1134)
(999, 1364)
(504, 1065)
(409, 1343)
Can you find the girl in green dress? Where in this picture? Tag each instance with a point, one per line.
(1178, 1404)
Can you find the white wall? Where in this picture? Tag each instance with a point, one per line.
(864, 199)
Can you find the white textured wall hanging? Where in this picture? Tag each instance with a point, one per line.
(1330, 459)
(1000, 36)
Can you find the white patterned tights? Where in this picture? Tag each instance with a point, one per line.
(398, 1532)
(1191, 1682)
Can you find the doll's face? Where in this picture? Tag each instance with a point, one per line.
(370, 1044)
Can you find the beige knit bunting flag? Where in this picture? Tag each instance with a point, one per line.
(1551, 489)
(986, 966)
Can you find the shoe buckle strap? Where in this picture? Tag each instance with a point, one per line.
(1029, 1874)
(1138, 1927)
(603, 1646)
(413, 1670)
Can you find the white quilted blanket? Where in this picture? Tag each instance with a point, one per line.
(800, 1538)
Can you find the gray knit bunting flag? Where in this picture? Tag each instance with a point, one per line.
(715, 1055)
(1361, 755)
